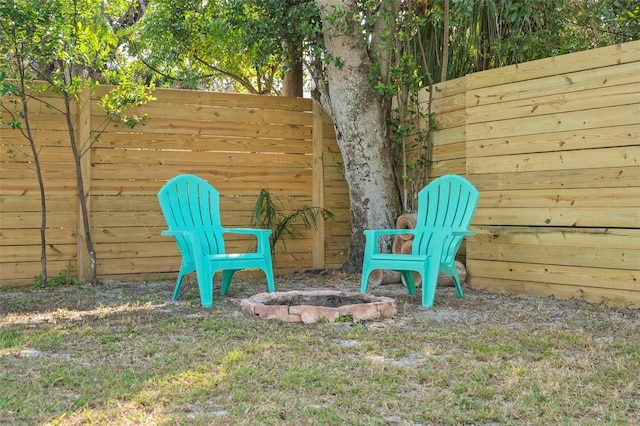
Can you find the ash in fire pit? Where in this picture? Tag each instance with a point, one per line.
(312, 306)
(329, 300)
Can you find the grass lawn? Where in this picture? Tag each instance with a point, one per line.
(125, 353)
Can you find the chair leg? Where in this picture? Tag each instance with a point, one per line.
(364, 281)
(456, 281)
(429, 285)
(205, 285)
(176, 292)
(271, 286)
(226, 280)
(184, 270)
(268, 273)
(410, 281)
(451, 270)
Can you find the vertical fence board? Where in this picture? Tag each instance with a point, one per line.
(318, 188)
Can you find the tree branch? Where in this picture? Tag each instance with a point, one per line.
(246, 84)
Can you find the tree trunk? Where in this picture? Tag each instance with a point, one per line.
(292, 83)
(82, 197)
(359, 117)
(43, 198)
(445, 43)
(36, 162)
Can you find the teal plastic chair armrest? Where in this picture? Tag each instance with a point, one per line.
(248, 231)
(378, 232)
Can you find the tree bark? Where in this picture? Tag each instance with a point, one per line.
(36, 162)
(359, 117)
(292, 82)
(82, 197)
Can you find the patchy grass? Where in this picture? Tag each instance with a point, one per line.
(124, 353)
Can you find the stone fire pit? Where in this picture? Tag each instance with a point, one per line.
(313, 306)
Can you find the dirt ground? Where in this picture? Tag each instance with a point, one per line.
(477, 308)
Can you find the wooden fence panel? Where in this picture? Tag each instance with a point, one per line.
(20, 204)
(241, 144)
(448, 138)
(337, 232)
(554, 148)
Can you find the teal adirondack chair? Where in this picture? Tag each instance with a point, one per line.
(191, 208)
(445, 209)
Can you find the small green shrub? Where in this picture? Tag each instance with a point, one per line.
(269, 213)
(63, 277)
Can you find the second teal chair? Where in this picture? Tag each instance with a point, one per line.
(191, 208)
(445, 209)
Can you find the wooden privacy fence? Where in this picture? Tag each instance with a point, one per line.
(554, 148)
(241, 144)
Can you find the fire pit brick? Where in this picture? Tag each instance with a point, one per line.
(309, 306)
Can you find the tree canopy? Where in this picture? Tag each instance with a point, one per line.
(230, 45)
(248, 46)
(486, 34)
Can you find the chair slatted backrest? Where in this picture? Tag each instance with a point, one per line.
(189, 203)
(447, 203)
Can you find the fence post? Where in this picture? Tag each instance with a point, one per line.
(318, 255)
(84, 140)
